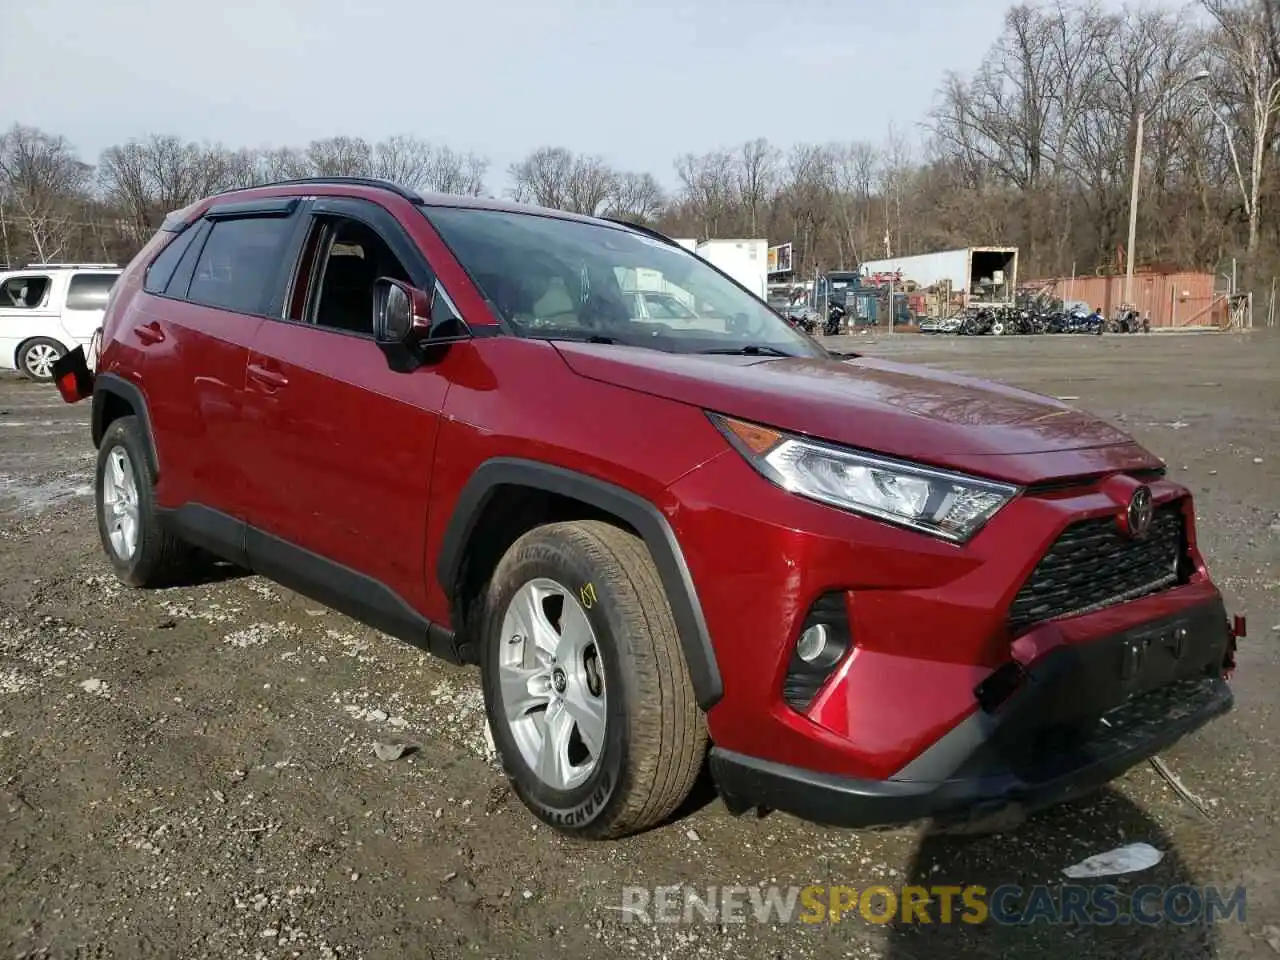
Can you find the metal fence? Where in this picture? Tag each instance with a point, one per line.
(1169, 300)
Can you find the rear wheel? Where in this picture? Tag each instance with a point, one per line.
(36, 358)
(587, 692)
(142, 552)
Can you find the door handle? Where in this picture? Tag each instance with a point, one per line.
(272, 379)
(149, 333)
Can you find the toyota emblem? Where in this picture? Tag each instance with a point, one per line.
(1140, 512)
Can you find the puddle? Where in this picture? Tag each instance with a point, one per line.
(36, 496)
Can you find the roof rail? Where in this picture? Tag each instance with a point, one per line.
(647, 231)
(72, 266)
(375, 182)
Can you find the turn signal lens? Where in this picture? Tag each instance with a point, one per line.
(757, 439)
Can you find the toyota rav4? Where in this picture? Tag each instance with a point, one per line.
(862, 591)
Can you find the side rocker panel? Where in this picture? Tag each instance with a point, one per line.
(348, 591)
(639, 513)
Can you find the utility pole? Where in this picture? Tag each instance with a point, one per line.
(891, 314)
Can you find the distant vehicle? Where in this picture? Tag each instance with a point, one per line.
(49, 309)
(941, 325)
(986, 275)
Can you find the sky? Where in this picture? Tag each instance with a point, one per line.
(635, 81)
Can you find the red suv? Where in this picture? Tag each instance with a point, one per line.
(872, 593)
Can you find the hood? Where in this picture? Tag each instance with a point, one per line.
(897, 409)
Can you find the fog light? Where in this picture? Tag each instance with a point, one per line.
(821, 644)
(813, 642)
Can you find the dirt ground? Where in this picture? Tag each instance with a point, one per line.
(191, 773)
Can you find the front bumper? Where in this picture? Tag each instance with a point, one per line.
(1079, 717)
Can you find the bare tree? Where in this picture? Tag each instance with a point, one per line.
(146, 179)
(283, 163)
(340, 157)
(807, 195)
(1247, 46)
(591, 184)
(636, 197)
(41, 181)
(757, 179)
(407, 161)
(543, 177)
(853, 167)
(558, 178)
(709, 187)
(457, 173)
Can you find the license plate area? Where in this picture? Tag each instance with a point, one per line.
(1065, 695)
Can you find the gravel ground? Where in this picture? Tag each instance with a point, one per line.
(192, 773)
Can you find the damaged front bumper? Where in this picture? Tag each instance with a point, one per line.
(1072, 722)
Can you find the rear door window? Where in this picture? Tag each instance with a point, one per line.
(240, 263)
(89, 291)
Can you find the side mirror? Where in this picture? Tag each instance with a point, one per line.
(401, 313)
(407, 321)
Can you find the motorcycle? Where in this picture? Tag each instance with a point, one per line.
(835, 320)
(802, 318)
(977, 324)
(1129, 322)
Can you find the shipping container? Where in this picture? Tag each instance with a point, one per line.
(1166, 299)
(746, 260)
(985, 276)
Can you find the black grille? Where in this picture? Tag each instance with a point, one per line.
(1093, 565)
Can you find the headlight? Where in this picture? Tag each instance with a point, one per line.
(948, 505)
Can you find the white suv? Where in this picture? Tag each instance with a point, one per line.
(48, 309)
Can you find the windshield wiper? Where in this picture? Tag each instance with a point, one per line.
(750, 350)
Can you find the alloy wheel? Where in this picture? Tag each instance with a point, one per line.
(39, 360)
(120, 503)
(552, 684)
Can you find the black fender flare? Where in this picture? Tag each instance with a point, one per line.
(113, 384)
(645, 518)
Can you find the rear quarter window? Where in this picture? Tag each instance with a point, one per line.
(89, 291)
(161, 270)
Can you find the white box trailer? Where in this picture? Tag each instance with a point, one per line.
(746, 260)
(988, 276)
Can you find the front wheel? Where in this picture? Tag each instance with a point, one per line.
(37, 357)
(586, 688)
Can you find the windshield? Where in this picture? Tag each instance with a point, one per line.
(565, 279)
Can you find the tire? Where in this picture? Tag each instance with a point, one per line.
(997, 328)
(654, 739)
(36, 356)
(155, 557)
